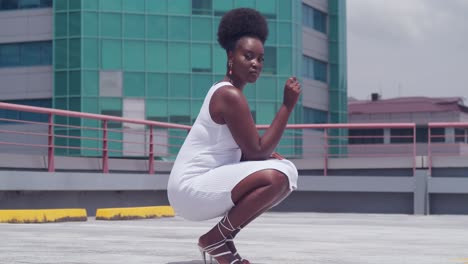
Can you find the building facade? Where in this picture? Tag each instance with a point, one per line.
(156, 59)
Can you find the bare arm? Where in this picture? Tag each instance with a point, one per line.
(230, 106)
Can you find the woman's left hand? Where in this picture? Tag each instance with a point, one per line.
(276, 155)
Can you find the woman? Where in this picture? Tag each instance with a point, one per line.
(225, 168)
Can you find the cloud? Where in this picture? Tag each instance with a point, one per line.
(407, 47)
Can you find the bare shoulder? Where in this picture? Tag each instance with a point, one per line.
(229, 94)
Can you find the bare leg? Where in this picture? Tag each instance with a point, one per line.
(252, 196)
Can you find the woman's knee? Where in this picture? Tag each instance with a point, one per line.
(277, 180)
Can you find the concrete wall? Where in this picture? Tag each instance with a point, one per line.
(366, 185)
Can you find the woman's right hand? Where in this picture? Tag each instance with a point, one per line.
(292, 91)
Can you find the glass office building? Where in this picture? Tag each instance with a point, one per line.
(156, 59)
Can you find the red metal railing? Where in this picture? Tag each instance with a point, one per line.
(323, 141)
(104, 119)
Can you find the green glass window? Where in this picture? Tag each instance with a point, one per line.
(134, 55)
(179, 28)
(90, 24)
(90, 84)
(267, 8)
(221, 7)
(269, 65)
(111, 54)
(284, 33)
(61, 22)
(156, 109)
(61, 83)
(179, 58)
(266, 88)
(134, 5)
(134, 26)
(90, 5)
(74, 53)
(157, 85)
(219, 60)
(111, 25)
(245, 3)
(201, 83)
(74, 4)
(179, 85)
(156, 56)
(111, 5)
(265, 112)
(156, 27)
(134, 84)
(201, 58)
(201, 7)
(285, 61)
(91, 53)
(181, 7)
(272, 39)
(285, 8)
(61, 47)
(158, 6)
(179, 111)
(201, 29)
(74, 83)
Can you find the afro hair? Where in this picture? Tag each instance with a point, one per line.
(241, 22)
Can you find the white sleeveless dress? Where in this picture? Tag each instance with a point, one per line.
(208, 167)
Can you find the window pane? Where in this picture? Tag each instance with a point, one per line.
(179, 28)
(134, 55)
(157, 27)
(284, 33)
(266, 88)
(61, 83)
(157, 85)
(110, 83)
(269, 65)
(179, 111)
(61, 47)
(156, 110)
(285, 8)
(134, 84)
(134, 5)
(91, 49)
(90, 4)
(265, 112)
(158, 6)
(74, 24)
(201, 29)
(245, 3)
(221, 7)
(134, 26)
(179, 85)
(111, 25)
(201, 7)
(74, 83)
(111, 5)
(201, 58)
(285, 61)
(61, 22)
(111, 54)
(179, 58)
(271, 40)
(90, 83)
(156, 59)
(201, 83)
(180, 7)
(30, 53)
(219, 60)
(74, 53)
(90, 24)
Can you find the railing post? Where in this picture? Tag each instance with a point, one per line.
(325, 165)
(414, 149)
(105, 153)
(151, 151)
(429, 149)
(50, 148)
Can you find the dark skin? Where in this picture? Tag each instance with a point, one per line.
(261, 190)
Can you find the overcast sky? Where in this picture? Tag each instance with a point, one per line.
(408, 48)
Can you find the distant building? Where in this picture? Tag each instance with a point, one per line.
(419, 110)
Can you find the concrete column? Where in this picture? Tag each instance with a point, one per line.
(420, 198)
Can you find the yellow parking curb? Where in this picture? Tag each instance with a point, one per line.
(127, 213)
(42, 215)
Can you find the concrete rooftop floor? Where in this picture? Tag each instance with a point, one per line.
(273, 238)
